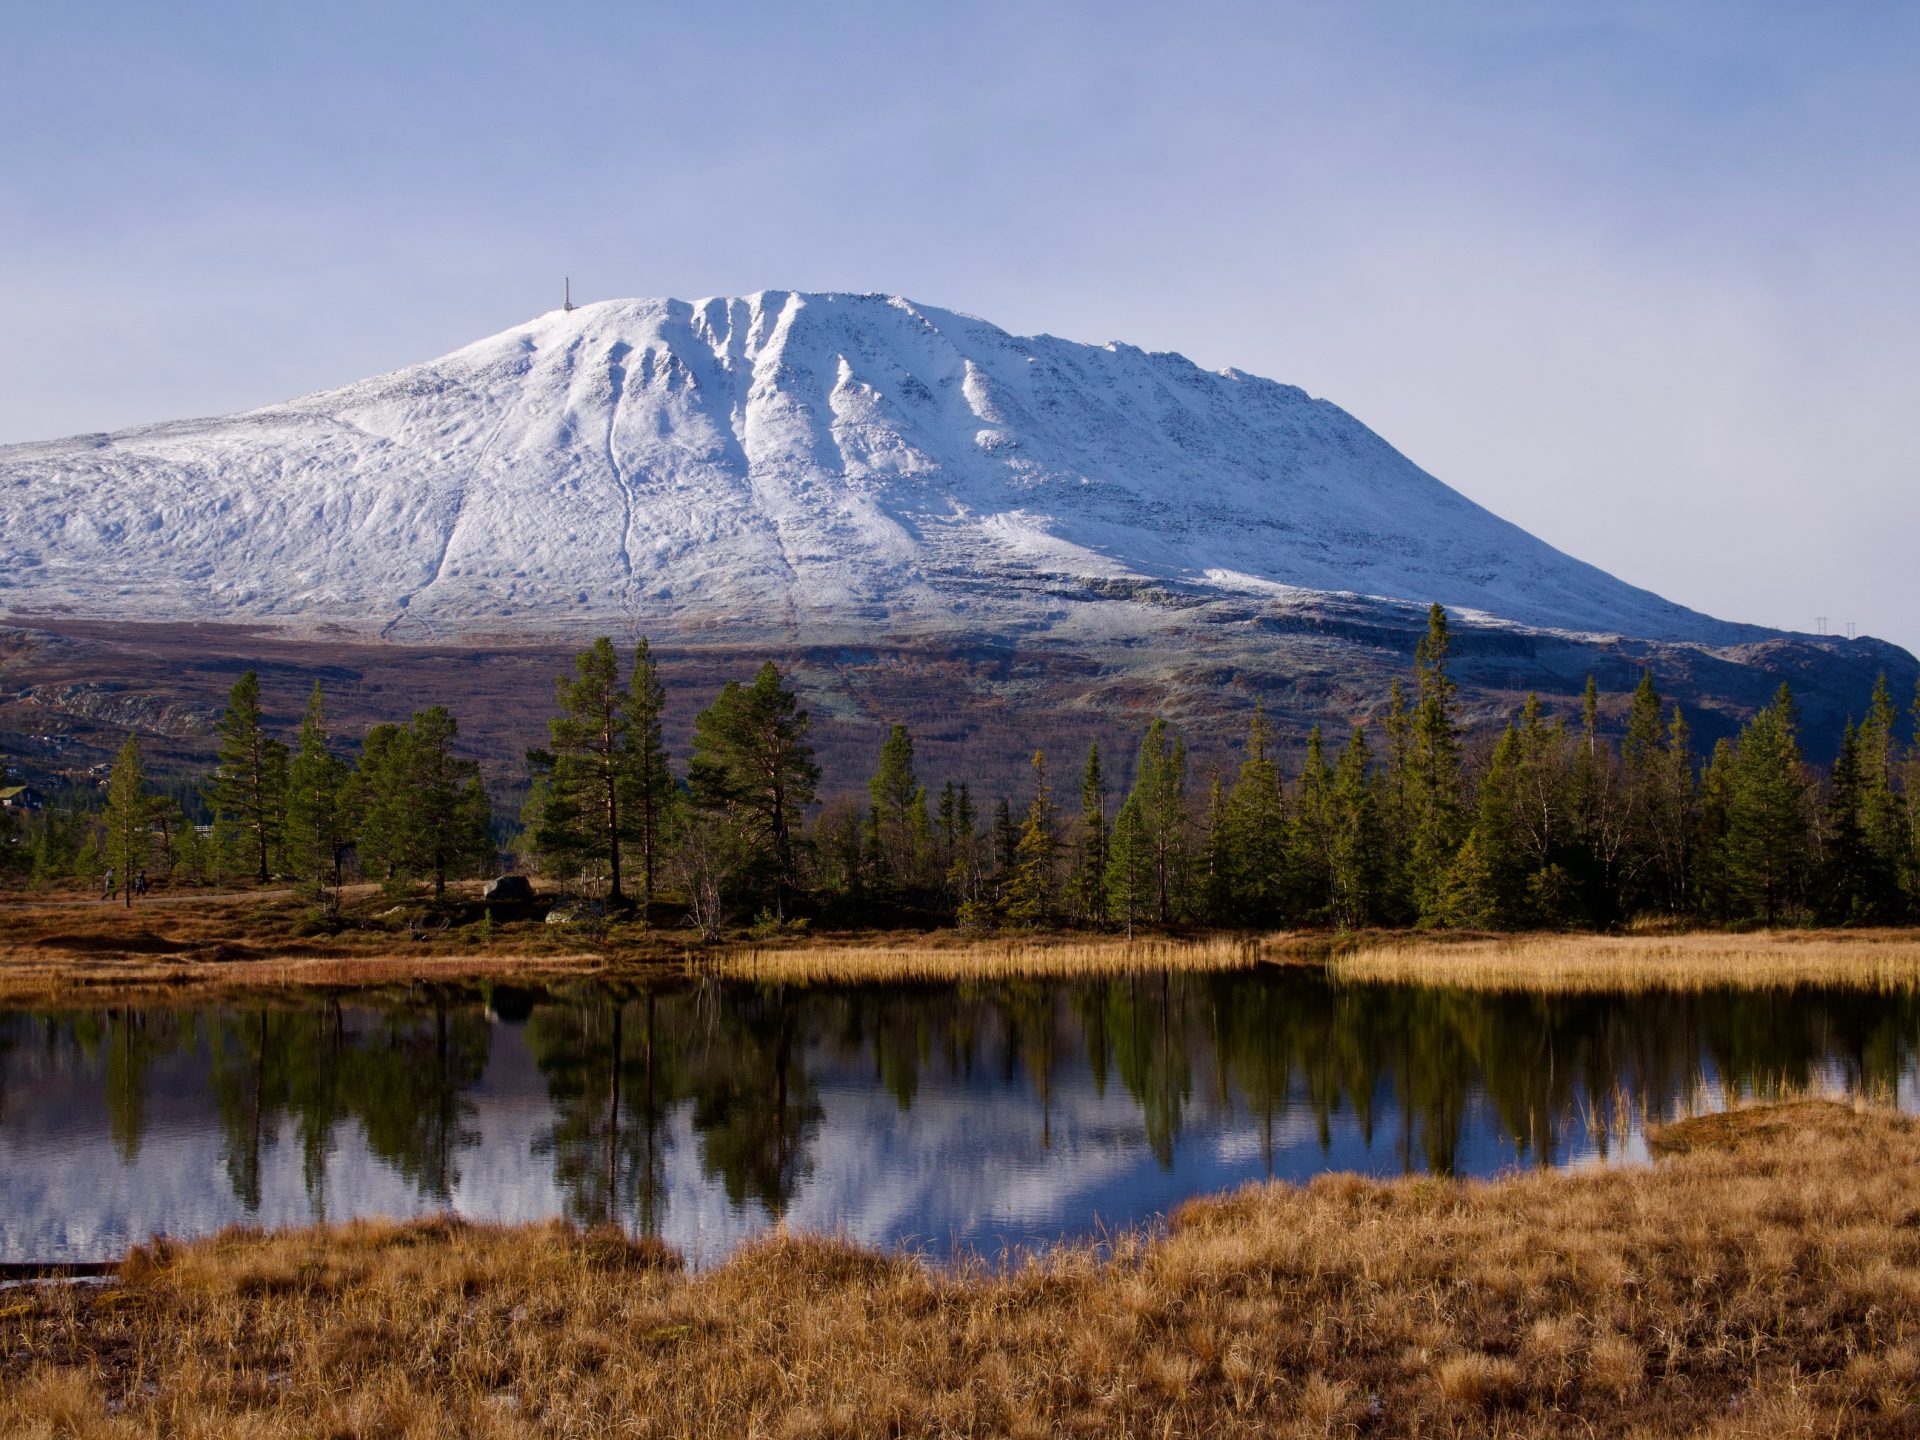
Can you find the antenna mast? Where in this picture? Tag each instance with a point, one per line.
(567, 304)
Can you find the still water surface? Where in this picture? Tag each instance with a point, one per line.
(921, 1115)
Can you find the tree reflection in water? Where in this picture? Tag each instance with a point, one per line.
(743, 1069)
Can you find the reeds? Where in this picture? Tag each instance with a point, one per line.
(1878, 960)
(963, 958)
(1764, 1280)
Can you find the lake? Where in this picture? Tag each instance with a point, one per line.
(930, 1116)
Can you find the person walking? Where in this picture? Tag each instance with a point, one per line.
(139, 882)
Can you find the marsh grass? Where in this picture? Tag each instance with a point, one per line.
(1761, 1279)
(1867, 959)
(968, 958)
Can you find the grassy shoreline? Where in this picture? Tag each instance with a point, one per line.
(61, 949)
(1761, 1278)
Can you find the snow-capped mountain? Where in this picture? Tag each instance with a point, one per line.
(802, 465)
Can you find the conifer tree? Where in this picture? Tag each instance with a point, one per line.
(585, 788)
(901, 828)
(1847, 889)
(1642, 762)
(318, 826)
(1005, 843)
(1395, 794)
(250, 778)
(1160, 785)
(1215, 899)
(1257, 831)
(1434, 792)
(1130, 884)
(647, 788)
(751, 757)
(128, 834)
(1030, 895)
(424, 814)
(1712, 882)
(1088, 891)
(1313, 830)
(1883, 831)
(1768, 814)
(1357, 844)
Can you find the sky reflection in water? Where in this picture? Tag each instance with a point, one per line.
(926, 1115)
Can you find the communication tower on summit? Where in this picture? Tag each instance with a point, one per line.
(567, 303)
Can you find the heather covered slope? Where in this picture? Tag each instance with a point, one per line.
(783, 467)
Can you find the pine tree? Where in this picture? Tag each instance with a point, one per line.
(450, 816)
(751, 757)
(1030, 895)
(128, 834)
(1434, 791)
(1488, 877)
(1088, 890)
(590, 752)
(424, 814)
(646, 777)
(250, 778)
(1257, 832)
(1768, 814)
(318, 826)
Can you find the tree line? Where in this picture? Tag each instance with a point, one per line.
(1395, 823)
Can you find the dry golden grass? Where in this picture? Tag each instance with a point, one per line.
(1761, 1280)
(1872, 959)
(958, 957)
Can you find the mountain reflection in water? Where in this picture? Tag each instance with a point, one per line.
(982, 1114)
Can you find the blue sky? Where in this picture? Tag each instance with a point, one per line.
(1640, 278)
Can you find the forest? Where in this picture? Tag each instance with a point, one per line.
(1400, 822)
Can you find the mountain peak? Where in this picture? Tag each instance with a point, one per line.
(802, 463)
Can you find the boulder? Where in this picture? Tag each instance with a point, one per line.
(508, 890)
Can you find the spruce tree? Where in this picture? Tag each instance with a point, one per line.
(1030, 895)
(1160, 785)
(1768, 814)
(250, 778)
(1130, 885)
(751, 757)
(1847, 889)
(1434, 792)
(1357, 843)
(899, 832)
(1313, 828)
(1088, 891)
(128, 836)
(318, 825)
(1883, 831)
(1215, 899)
(1257, 831)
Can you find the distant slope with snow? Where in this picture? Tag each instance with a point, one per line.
(784, 464)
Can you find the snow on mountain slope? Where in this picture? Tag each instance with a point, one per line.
(794, 463)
